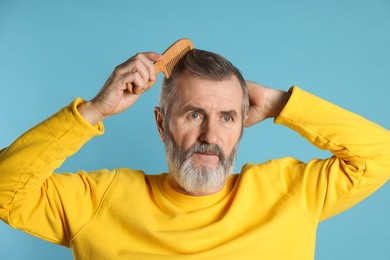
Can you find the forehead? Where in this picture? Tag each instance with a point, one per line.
(221, 94)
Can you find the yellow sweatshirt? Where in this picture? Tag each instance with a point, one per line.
(268, 211)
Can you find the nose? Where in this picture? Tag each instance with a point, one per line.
(209, 132)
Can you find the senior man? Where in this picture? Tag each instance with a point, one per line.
(200, 209)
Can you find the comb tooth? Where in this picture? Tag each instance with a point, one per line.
(172, 63)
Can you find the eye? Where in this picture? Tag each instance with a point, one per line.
(194, 115)
(227, 118)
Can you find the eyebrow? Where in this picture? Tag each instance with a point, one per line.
(193, 108)
(229, 112)
(190, 107)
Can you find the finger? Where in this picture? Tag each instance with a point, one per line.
(133, 64)
(131, 80)
(139, 66)
(140, 59)
(134, 83)
(147, 58)
(139, 90)
(140, 63)
(139, 85)
(136, 89)
(153, 56)
(126, 78)
(126, 66)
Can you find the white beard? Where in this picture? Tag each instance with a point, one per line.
(198, 179)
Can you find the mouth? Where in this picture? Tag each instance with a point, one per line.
(206, 154)
(207, 158)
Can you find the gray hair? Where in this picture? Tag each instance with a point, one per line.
(205, 65)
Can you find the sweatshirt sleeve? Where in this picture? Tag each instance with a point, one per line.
(360, 163)
(34, 199)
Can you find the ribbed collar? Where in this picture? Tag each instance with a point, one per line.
(193, 202)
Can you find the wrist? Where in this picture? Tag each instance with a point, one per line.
(277, 99)
(89, 113)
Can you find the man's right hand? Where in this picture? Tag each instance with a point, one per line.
(116, 96)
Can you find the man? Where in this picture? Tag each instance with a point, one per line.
(199, 210)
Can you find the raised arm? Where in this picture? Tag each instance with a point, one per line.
(47, 205)
(361, 150)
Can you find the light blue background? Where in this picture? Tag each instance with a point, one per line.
(53, 51)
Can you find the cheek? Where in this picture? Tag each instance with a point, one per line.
(184, 137)
(189, 139)
(231, 139)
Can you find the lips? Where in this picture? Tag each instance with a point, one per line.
(205, 159)
(207, 155)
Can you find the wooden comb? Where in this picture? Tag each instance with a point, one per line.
(171, 57)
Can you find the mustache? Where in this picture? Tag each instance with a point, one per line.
(206, 148)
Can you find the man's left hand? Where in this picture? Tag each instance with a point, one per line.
(264, 102)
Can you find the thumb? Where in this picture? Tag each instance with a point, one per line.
(153, 56)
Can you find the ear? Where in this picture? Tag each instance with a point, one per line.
(246, 119)
(159, 122)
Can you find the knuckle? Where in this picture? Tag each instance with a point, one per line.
(137, 62)
(138, 55)
(141, 81)
(116, 71)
